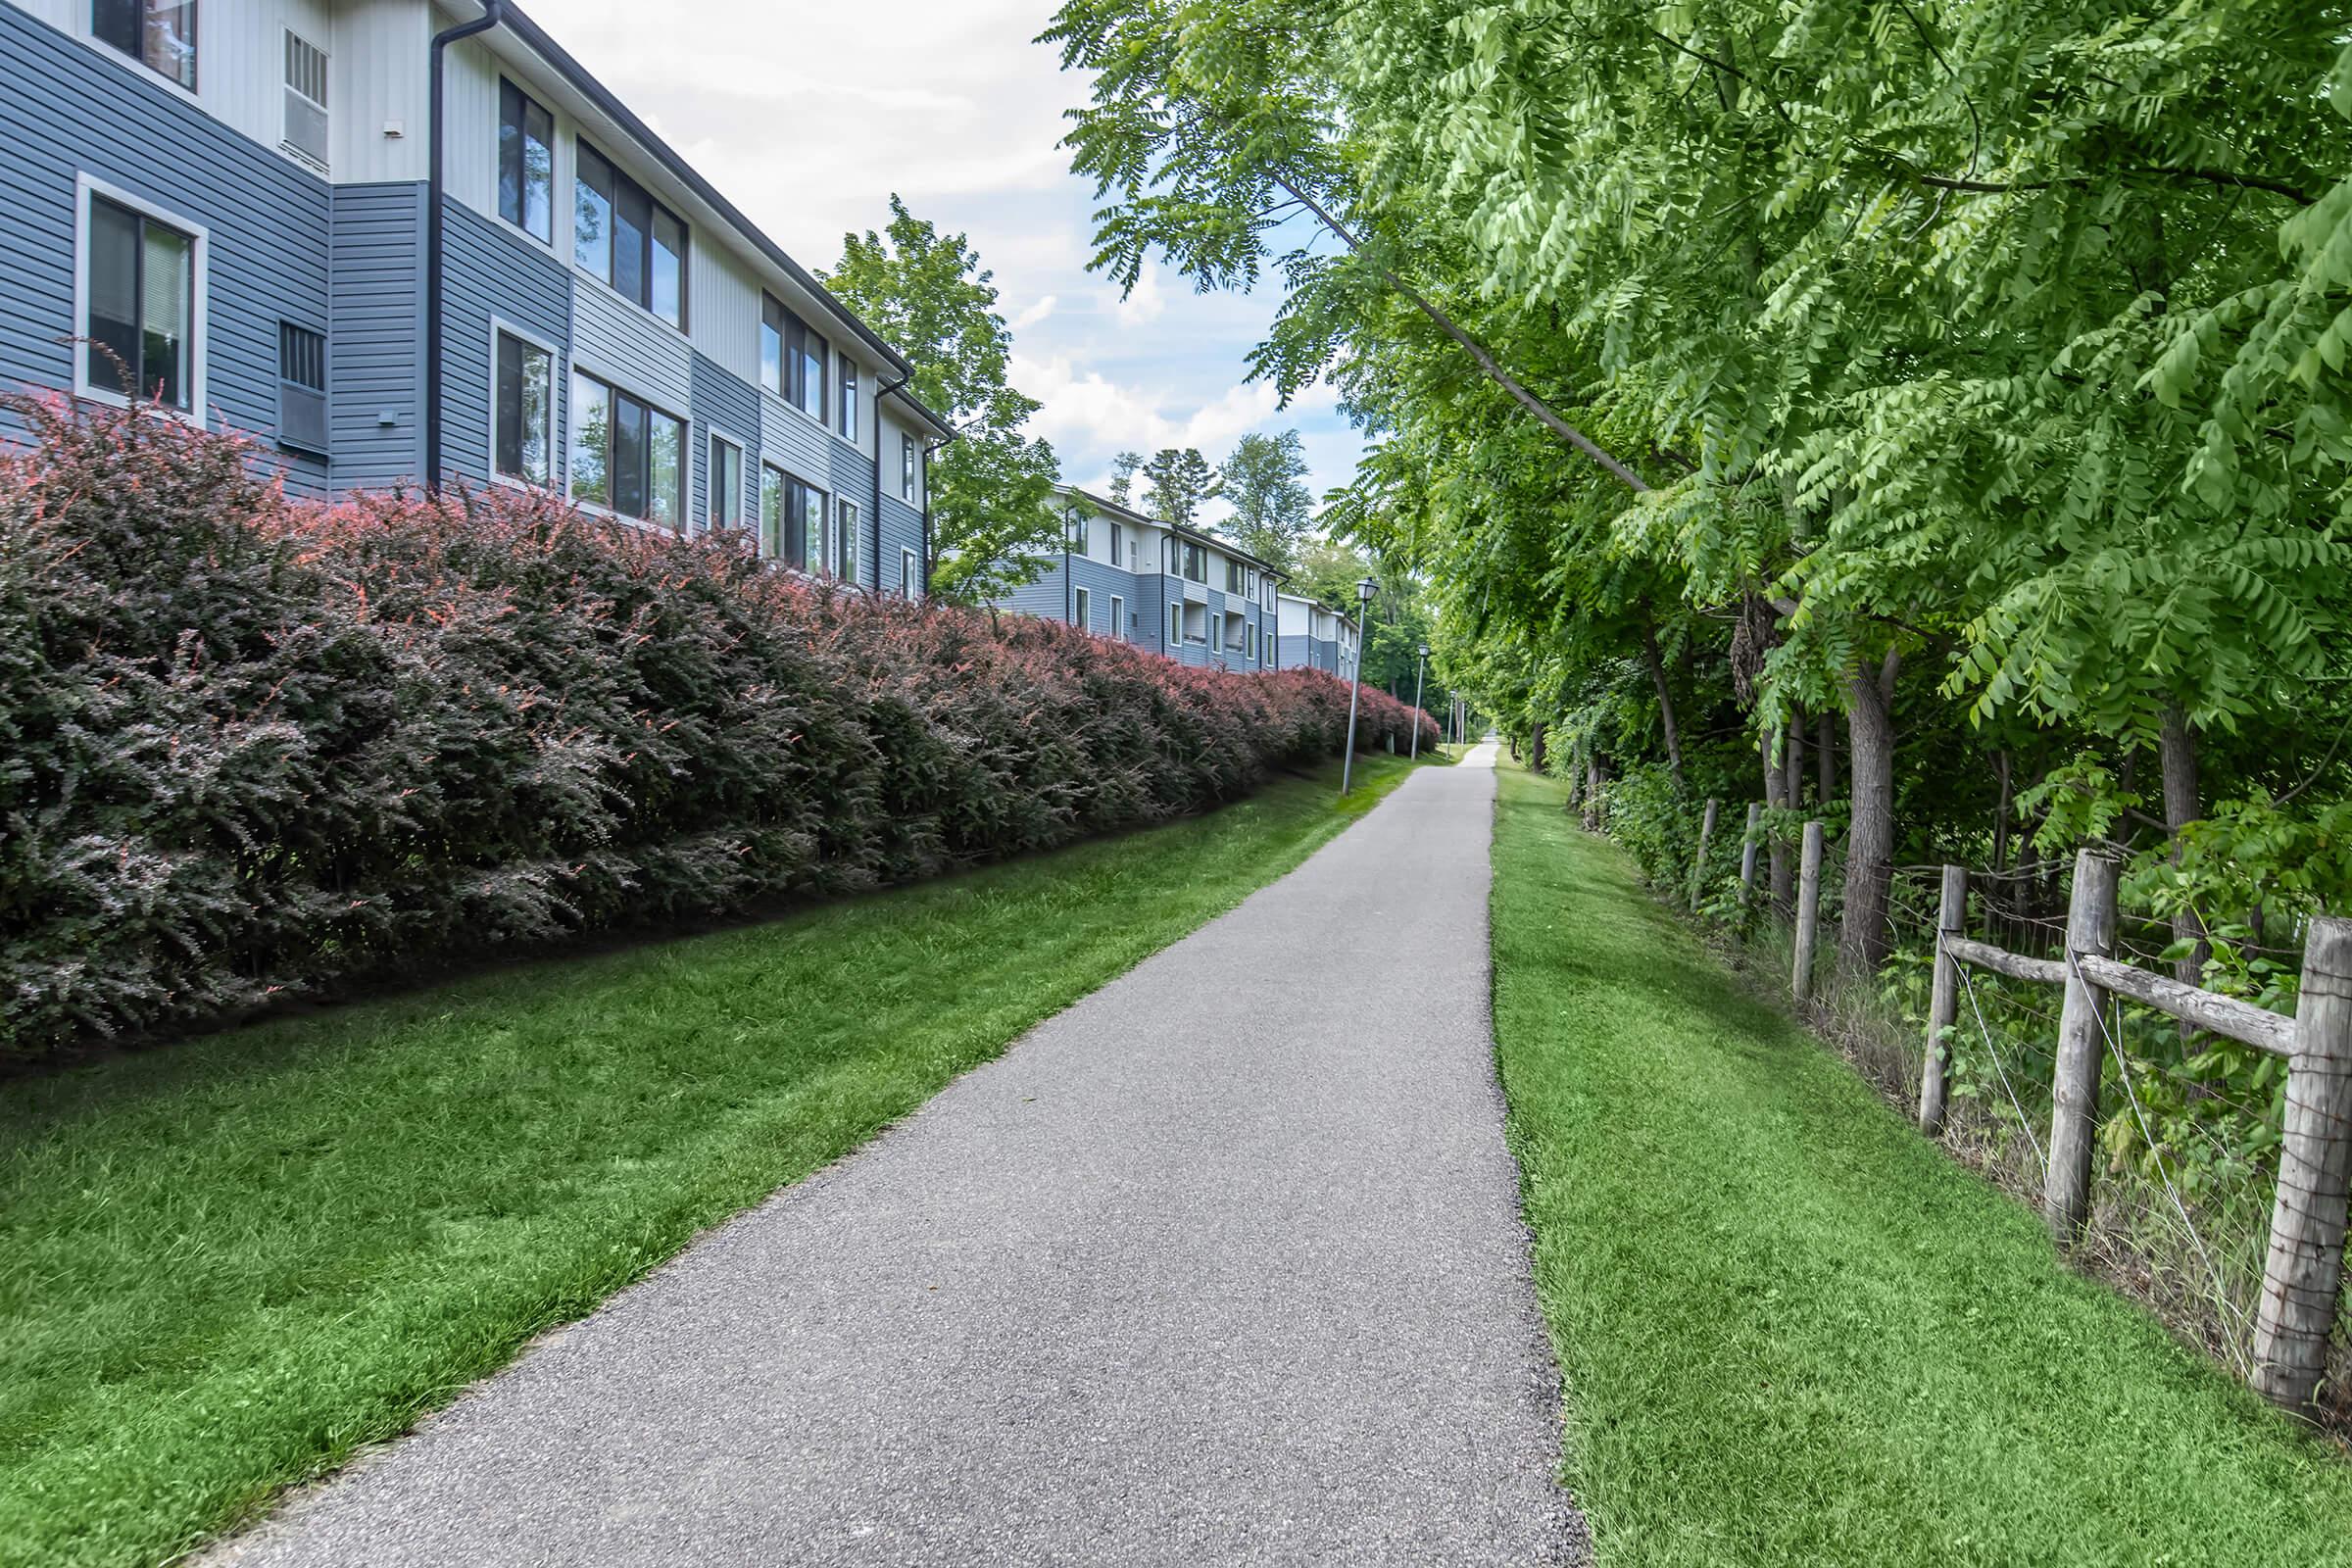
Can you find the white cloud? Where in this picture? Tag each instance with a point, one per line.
(1033, 314)
(1142, 303)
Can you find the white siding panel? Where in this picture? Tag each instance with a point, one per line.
(376, 78)
(614, 338)
(723, 301)
(470, 107)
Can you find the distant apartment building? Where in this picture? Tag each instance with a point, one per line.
(1313, 634)
(392, 239)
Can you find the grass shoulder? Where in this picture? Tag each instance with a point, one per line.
(232, 1262)
(1792, 1331)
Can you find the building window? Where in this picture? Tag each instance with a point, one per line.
(301, 387)
(304, 124)
(1114, 544)
(1078, 533)
(849, 397)
(1083, 616)
(1175, 625)
(906, 466)
(1119, 617)
(1253, 652)
(1216, 634)
(629, 240)
(157, 33)
(627, 455)
(1195, 563)
(527, 163)
(847, 530)
(726, 483)
(792, 519)
(525, 418)
(907, 583)
(792, 359)
(140, 307)
(1167, 551)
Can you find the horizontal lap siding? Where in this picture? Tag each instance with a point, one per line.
(1101, 580)
(486, 272)
(618, 341)
(72, 110)
(902, 529)
(853, 480)
(1044, 598)
(376, 335)
(726, 400)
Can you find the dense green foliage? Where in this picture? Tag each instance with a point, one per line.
(234, 1262)
(255, 747)
(1177, 481)
(1265, 484)
(926, 292)
(1792, 1331)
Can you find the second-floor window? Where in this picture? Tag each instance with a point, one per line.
(629, 240)
(792, 359)
(160, 36)
(849, 397)
(627, 455)
(1114, 544)
(1195, 563)
(906, 466)
(1078, 534)
(527, 163)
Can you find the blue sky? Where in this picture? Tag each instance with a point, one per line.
(809, 115)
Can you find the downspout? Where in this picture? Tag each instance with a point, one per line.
(874, 522)
(492, 13)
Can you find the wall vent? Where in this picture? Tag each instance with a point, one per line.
(306, 100)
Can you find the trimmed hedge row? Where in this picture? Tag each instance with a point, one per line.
(252, 747)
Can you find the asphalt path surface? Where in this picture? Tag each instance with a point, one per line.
(1222, 1265)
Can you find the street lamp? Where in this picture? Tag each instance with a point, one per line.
(1356, 685)
(1420, 669)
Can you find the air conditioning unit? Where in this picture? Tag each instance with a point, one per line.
(306, 124)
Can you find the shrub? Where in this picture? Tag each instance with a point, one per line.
(251, 747)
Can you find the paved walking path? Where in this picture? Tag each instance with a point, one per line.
(1222, 1265)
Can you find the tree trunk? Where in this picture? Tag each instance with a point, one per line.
(1657, 676)
(1825, 749)
(1535, 747)
(2176, 752)
(1792, 763)
(2002, 766)
(1775, 797)
(1870, 842)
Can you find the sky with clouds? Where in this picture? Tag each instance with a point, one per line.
(807, 116)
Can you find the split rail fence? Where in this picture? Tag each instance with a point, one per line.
(2302, 1275)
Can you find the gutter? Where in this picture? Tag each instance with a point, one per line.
(493, 13)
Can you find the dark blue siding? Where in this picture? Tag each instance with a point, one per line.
(851, 478)
(486, 271)
(902, 529)
(375, 397)
(72, 110)
(726, 400)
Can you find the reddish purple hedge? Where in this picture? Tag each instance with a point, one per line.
(249, 746)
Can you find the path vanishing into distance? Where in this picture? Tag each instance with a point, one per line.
(1224, 1264)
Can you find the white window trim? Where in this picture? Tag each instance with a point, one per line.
(842, 503)
(1081, 609)
(89, 35)
(86, 187)
(559, 397)
(1119, 617)
(746, 503)
(908, 587)
(589, 368)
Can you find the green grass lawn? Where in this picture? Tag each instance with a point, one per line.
(226, 1264)
(1791, 1330)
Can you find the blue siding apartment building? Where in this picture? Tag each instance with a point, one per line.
(394, 239)
(1176, 591)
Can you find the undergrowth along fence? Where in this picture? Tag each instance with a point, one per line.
(2225, 1125)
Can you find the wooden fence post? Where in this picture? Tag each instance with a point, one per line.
(1808, 912)
(1944, 1004)
(1698, 866)
(2304, 1271)
(1747, 855)
(2081, 1050)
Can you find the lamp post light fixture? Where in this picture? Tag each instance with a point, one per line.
(1420, 672)
(1364, 591)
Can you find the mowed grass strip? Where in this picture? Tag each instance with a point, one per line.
(1793, 1332)
(226, 1264)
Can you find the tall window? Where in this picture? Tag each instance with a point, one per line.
(726, 483)
(792, 359)
(1115, 542)
(158, 34)
(1078, 533)
(1083, 616)
(906, 574)
(849, 397)
(630, 240)
(1118, 617)
(1195, 563)
(141, 301)
(792, 519)
(1167, 551)
(527, 162)
(845, 549)
(526, 410)
(627, 455)
(1175, 625)
(1254, 642)
(906, 466)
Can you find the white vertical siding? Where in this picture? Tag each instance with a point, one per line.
(376, 78)
(722, 305)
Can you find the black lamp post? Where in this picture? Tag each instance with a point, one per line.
(1420, 672)
(1356, 685)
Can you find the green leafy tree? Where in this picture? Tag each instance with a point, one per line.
(927, 293)
(1177, 482)
(1266, 482)
(1122, 477)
